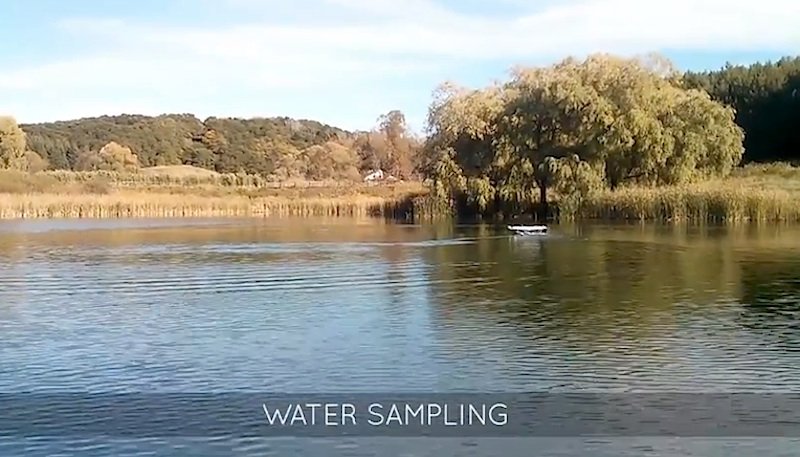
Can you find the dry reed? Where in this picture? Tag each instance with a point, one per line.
(189, 193)
(183, 176)
(757, 193)
(722, 201)
(152, 205)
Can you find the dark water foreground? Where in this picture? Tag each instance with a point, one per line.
(123, 338)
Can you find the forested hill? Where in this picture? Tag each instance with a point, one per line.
(178, 139)
(766, 97)
(280, 147)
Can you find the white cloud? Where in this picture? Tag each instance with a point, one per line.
(375, 42)
(635, 25)
(424, 28)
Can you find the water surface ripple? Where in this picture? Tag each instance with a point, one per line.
(348, 306)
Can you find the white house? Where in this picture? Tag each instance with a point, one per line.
(374, 175)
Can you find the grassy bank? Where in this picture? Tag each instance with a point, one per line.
(706, 202)
(134, 204)
(755, 193)
(192, 193)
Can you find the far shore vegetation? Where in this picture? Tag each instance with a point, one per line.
(605, 138)
(186, 191)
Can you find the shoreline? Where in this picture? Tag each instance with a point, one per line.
(754, 194)
(665, 205)
(154, 205)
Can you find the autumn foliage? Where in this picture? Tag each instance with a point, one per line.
(576, 127)
(577, 132)
(275, 148)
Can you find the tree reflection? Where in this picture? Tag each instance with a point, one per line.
(771, 298)
(605, 284)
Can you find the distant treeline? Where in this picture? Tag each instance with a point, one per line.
(766, 97)
(281, 148)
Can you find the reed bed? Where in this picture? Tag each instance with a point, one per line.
(719, 202)
(756, 193)
(191, 192)
(152, 205)
(117, 205)
(184, 177)
(358, 206)
(145, 178)
(208, 184)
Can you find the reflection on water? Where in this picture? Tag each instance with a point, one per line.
(338, 305)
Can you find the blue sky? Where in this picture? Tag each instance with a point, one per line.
(343, 62)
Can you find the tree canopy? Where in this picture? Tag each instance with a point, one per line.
(766, 97)
(12, 144)
(621, 120)
(111, 157)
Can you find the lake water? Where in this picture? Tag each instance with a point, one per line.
(340, 306)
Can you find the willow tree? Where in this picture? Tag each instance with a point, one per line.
(627, 120)
(551, 113)
(504, 136)
(651, 130)
(111, 157)
(12, 144)
(574, 180)
(463, 142)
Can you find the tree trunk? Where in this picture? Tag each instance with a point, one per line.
(498, 204)
(543, 201)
